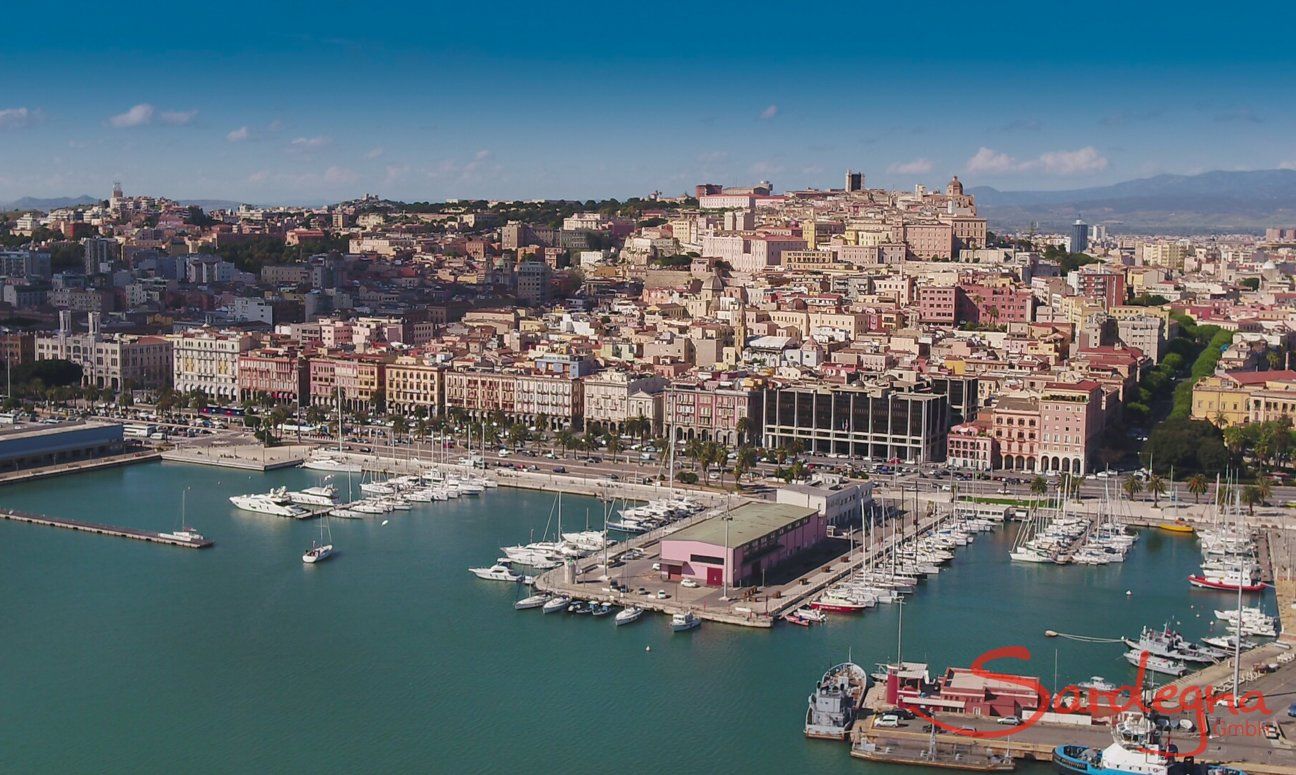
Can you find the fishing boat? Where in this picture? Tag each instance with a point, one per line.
(496, 572)
(684, 621)
(556, 604)
(628, 615)
(1229, 644)
(534, 601)
(321, 551)
(1136, 749)
(835, 702)
(1157, 664)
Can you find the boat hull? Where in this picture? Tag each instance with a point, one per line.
(1223, 586)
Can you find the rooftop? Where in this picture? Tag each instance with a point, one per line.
(749, 522)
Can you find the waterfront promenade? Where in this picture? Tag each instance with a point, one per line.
(247, 457)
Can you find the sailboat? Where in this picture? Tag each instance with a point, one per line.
(320, 551)
(184, 533)
(325, 463)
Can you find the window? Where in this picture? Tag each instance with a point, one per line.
(706, 559)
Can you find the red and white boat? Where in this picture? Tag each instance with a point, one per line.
(838, 605)
(1226, 583)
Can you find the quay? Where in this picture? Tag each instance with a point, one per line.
(78, 467)
(107, 530)
(246, 457)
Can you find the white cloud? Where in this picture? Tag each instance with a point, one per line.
(138, 115)
(769, 112)
(310, 143)
(1081, 161)
(340, 175)
(177, 117)
(1078, 162)
(915, 167)
(986, 160)
(1287, 165)
(395, 172)
(238, 135)
(17, 118)
(374, 152)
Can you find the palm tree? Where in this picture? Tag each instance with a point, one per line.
(564, 438)
(1132, 485)
(1157, 486)
(1265, 488)
(1069, 485)
(1198, 485)
(399, 426)
(1251, 496)
(1039, 485)
(693, 451)
(743, 428)
(745, 462)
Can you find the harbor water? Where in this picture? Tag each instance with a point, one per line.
(121, 656)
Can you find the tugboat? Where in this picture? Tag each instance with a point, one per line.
(1136, 749)
(836, 701)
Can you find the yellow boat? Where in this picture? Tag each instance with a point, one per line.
(1178, 526)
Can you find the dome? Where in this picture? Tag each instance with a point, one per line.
(955, 188)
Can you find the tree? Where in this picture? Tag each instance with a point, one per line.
(1069, 485)
(1264, 487)
(1039, 485)
(745, 461)
(1251, 496)
(743, 428)
(564, 437)
(1198, 485)
(315, 415)
(1187, 445)
(1132, 486)
(399, 426)
(1157, 486)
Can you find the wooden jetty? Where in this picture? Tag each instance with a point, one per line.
(107, 530)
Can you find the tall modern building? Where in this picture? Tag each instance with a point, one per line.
(1079, 236)
(854, 180)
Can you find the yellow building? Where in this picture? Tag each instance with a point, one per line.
(412, 384)
(1241, 397)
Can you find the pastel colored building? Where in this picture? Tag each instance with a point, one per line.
(741, 545)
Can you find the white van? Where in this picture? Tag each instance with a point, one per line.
(887, 720)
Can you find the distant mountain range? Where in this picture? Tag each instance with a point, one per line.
(1211, 201)
(54, 203)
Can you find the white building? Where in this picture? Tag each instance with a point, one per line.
(207, 360)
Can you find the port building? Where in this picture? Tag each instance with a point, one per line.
(737, 547)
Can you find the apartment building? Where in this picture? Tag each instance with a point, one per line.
(711, 409)
(279, 373)
(208, 361)
(609, 399)
(359, 379)
(413, 384)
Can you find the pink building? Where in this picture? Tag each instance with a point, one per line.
(1071, 423)
(742, 545)
(971, 447)
(938, 304)
(995, 304)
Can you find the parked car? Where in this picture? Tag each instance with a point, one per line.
(689, 584)
(887, 720)
(1008, 721)
(560, 469)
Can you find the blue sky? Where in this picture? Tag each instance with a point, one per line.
(305, 102)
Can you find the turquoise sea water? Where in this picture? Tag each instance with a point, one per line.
(121, 656)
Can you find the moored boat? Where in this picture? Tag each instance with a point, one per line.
(835, 702)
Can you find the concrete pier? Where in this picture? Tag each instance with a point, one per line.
(107, 530)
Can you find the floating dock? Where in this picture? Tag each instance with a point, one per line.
(107, 530)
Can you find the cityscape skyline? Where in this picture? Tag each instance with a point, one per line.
(583, 106)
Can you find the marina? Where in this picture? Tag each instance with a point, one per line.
(257, 587)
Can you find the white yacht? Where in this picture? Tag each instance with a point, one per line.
(332, 465)
(275, 502)
(495, 572)
(534, 601)
(628, 615)
(321, 551)
(324, 495)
